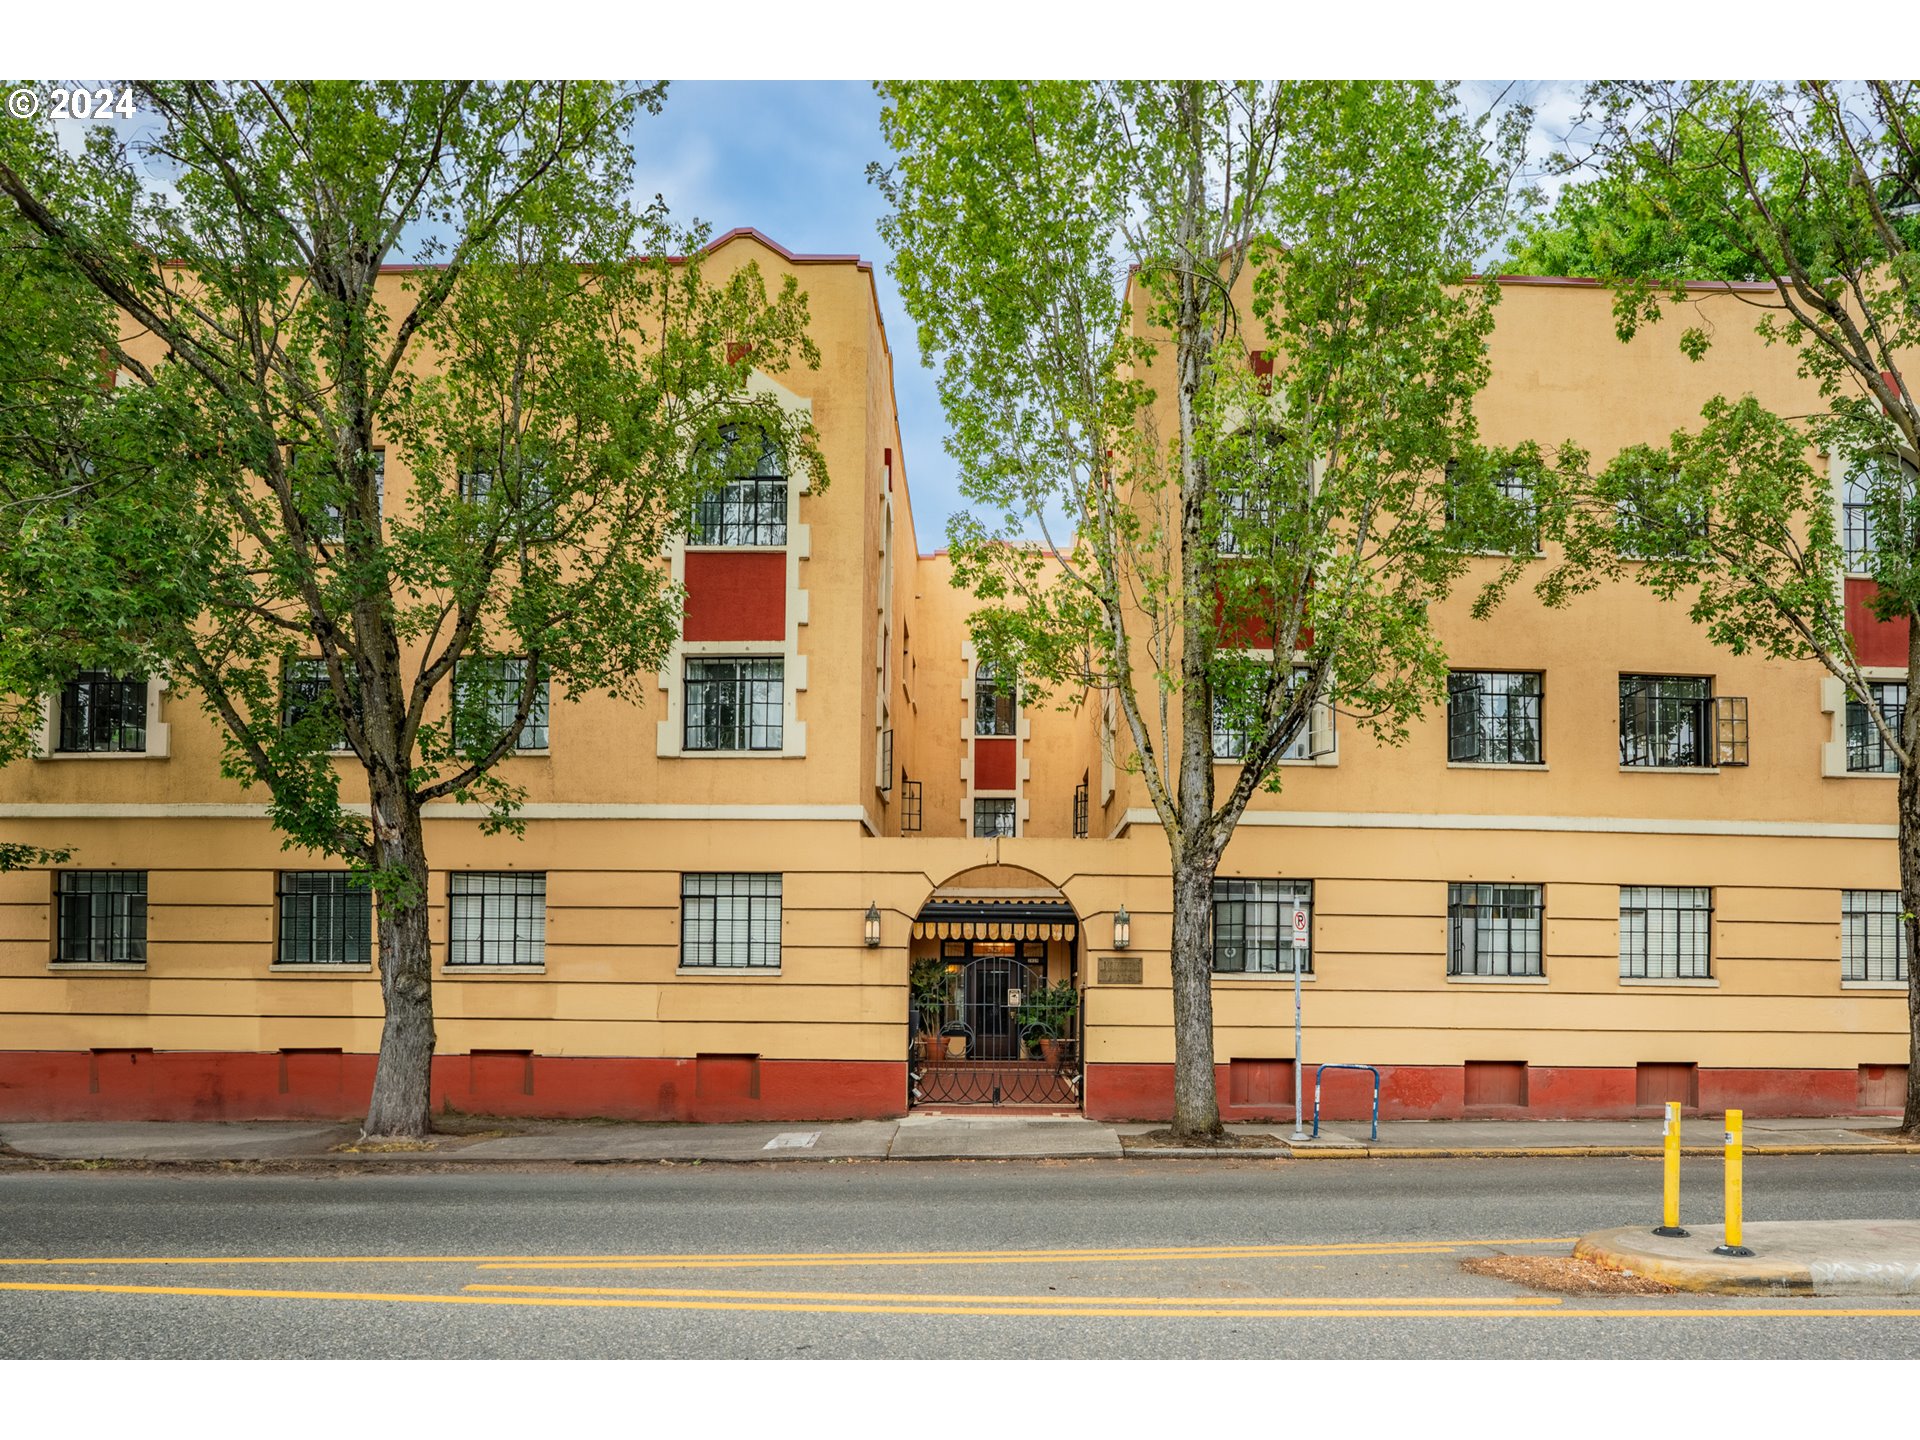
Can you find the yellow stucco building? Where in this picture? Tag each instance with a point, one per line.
(1621, 866)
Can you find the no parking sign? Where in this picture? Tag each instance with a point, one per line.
(1299, 927)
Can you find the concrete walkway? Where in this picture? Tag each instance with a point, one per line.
(920, 1136)
(1826, 1257)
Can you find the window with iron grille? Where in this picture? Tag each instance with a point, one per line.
(326, 918)
(1517, 517)
(332, 525)
(993, 817)
(1080, 810)
(101, 711)
(993, 702)
(1867, 750)
(1873, 941)
(496, 918)
(886, 759)
(528, 491)
(1253, 926)
(1665, 932)
(486, 698)
(730, 922)
(102, 917)
(749, 505)
(306, 691)
(1655, 525)
(1237, 698)
(1493, 929)
(735, 704)
(1666, 720)
(1493, 717)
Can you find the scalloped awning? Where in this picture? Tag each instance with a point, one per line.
(1031, 916)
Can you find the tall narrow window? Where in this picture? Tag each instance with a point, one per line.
(326, 918)
(332, 526)
(994, 817)
(1493, 929)
(1664, 932)
(305, 691)
(1873, 940)
(102, 712)
(993, 701)
(730, 922)
(1493, 717)
(102, 917)
(735, 704)
(910, 802)
(1080, 809)
(1253, 926)
(747, 504)
(486, 698)
(496, 918)
(1867, 750)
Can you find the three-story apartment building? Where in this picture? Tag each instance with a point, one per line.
(837, 867)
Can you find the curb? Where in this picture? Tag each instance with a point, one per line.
(423, 1158)
(1709, 1276)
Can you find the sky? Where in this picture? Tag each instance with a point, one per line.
(789, 159)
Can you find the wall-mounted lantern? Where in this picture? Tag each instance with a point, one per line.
(1122, 928)
(873, 924)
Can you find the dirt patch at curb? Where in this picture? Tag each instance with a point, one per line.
(1564, 1275)
(1164, 1140)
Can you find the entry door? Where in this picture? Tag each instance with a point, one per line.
(995, 969)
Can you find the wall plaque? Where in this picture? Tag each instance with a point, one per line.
(1119, 969)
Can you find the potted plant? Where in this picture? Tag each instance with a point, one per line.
(927, 986)
(1046, 1016)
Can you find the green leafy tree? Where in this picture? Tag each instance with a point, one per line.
(1814, 187)
(217, 504)
(1151, 503)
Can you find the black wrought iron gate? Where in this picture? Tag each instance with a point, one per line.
(997, 1034)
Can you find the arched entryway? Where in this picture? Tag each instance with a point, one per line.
(995, 1013)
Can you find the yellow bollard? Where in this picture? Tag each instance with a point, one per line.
(1670, 1133)
(1734, 1190)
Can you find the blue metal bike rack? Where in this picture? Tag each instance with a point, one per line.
(1372, 1070)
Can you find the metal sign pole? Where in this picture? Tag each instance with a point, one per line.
(1299, 944)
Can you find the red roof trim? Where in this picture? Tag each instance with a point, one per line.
(739, 232)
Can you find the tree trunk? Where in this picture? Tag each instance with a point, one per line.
(1196, 1100)
(401, 1107)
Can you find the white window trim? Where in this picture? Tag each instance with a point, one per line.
(1322, 713)
(159, 733)
(1833, 702)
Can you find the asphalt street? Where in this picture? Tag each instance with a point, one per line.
(1051, 1259)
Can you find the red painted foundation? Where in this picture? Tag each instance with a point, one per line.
(1438, 1092)
(328, 1085)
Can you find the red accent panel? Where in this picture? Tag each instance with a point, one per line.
(736, 595)
(1876, 642)
(994, 766)
(1249, 630)
(1438, 1092)
(198, 1085)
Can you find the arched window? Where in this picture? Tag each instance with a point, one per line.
(747, 504)
(993, 701)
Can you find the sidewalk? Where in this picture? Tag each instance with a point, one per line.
(921, 1136)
